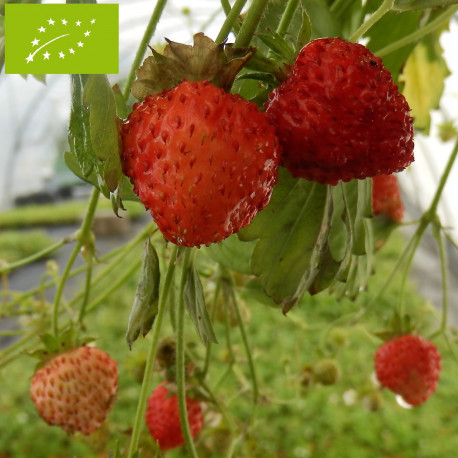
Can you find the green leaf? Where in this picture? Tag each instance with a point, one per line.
(99, 99)
(79, 134)
(389, 29)
(232, 253)
(291, 232)
(305, 32)
(324, 23)
(423, 76)
(194, 299)
(278, 45)
(145, 306)
(350, 241)
(126, 190)
(405, 5)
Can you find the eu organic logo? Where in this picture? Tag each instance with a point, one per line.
(63, 38)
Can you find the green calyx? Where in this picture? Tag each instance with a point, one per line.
(203, 61)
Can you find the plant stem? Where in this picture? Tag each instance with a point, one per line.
(34, 257)
(83, 236)
(420, 33)
(180, 359)
(60, 288)
(144, 391)
(149, 32)
(444, 275)
(87, 290)
(384, 8)
(431, 213)
(254, 379)
(287, 17)
(114, 286)
(250, 23)
(231, 21)
(204, 372)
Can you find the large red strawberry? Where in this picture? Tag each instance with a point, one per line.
(76, 389)
(163, 417)
(410, 366)
(203, 161)
(340, 116)
(386, 197)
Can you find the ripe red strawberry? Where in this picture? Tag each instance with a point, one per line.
(340, 116)
(163, 417)
(203, 161)
(386, 197)
(76, 390)
(410, 366)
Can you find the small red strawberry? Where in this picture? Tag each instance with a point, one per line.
(76, 389)
(410, 366)
(163, 417)
(386, 197)
(340, 116)
(203, 161)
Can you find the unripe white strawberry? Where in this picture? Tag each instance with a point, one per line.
(76, 389)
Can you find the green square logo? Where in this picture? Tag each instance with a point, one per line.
(61, 38)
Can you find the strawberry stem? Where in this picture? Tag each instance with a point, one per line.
(287, 17)
(82, 236)
(384, 8)
(5, 268)
(144, 391)
(149, 32)
(180, 357)
(251, 366)
(231, 20)
(444, 275)
(250, 23)
(414, 36)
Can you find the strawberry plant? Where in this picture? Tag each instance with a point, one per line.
(266, 159)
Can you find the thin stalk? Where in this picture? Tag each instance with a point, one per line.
(420, 33)
(204, 372)
(226, 6)
(87, 292)
(254, 379)
(114, 286)
(250, 23)
(417, 239)
(230, 21)
(384, 8)
(444, 276)
(180, 360)
(83, 235)
(443, 180)
(144, 391)
(149, 32)
(36, 256)
(287, 16)
(60, 288)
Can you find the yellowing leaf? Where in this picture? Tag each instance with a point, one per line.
(424, 75)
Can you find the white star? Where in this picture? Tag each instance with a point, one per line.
(61, 55)
(35, 42)
(41, 29)
(72, 51)
(29, 58)
(46, 55)
(78, 23)
(64, 22)
(80, 44)
(93, 20)
(87, 33)
(50, 21)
